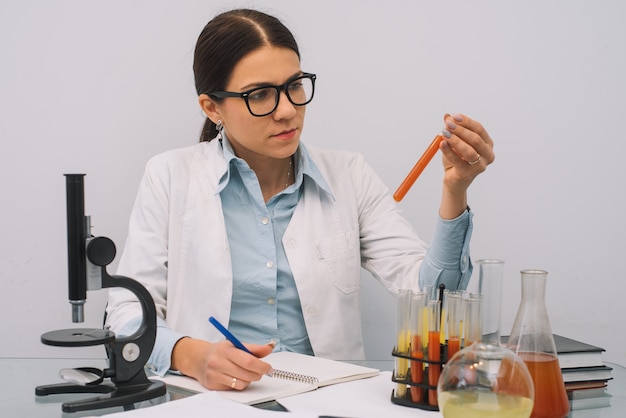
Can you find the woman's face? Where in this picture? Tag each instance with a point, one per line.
(274, 136)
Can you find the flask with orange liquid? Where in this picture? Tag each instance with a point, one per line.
(531, 338)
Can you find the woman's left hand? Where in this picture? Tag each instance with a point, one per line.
(467, 151)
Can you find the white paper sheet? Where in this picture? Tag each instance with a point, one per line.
(366, 398)
(203, 405)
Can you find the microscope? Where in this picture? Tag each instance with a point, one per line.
(124, 382)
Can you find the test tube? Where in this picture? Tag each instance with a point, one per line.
(403, 333)
(454, 303)
(430, 294)
(434, 349)
(418, 313)
(472, 324)
(418, 168)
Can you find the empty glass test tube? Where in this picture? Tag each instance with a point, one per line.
(472, 322)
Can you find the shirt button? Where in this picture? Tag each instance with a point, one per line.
(269, 264)
(271, 301)
(265, 220)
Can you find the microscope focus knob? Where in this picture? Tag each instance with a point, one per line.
(101, 251)
(130, 352)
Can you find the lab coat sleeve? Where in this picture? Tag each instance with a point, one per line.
(393, 252)
(390, 248)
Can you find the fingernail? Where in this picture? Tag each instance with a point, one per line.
(451, 125)
(457, 117)
(270, 372)
(272, 342)
(446, 133)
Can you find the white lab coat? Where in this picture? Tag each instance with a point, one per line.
(178, 249)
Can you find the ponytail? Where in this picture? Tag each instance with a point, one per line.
(209, 131)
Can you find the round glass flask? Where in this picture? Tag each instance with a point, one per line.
(531, 338)
(486, 379)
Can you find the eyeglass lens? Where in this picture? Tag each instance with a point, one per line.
(264, 100)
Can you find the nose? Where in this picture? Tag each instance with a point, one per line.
(285, 108)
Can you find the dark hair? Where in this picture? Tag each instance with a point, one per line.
(224, 41)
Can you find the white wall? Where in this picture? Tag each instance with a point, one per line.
(99, 87)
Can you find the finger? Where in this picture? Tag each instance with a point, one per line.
(472, 125)
(460, 144)
(469, 145)
(247, 368)
(229, 361)
(236, 384)
(452, 157)
(261, 350)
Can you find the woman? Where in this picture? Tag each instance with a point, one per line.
(267, 235)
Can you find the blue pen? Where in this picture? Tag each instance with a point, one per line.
(230, 337)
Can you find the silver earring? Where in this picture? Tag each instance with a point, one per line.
(218, 127)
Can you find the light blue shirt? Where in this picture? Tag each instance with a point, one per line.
(265, 302)
(263, 285)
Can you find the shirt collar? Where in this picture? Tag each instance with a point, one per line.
(305, 166)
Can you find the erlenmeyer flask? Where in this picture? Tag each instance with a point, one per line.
(531, 338)
(486, 379)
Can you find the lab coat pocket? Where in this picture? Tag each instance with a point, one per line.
(340, 255)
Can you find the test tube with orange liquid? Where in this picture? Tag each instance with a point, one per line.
(434, 348)
(418, 168)
(418, 312)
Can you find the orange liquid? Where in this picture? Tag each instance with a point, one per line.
(550, 396)
(511, 378)
(417, 369)
(454, 345)
(434, 370)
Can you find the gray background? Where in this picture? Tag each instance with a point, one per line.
(99, 87)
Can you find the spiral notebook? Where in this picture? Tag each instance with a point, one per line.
(294, 373)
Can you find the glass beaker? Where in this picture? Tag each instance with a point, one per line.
(486, 379)
(531, 338)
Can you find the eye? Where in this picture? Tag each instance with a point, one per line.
(295, 85)
(261, 94)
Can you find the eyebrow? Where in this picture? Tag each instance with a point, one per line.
(267, 84)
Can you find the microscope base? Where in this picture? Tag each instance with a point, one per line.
(122, 395)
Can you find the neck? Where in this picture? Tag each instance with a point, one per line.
(276, 178)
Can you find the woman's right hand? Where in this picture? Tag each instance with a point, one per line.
(220, 366)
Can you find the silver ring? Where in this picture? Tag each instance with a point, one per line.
(475, 161)
(232, 385)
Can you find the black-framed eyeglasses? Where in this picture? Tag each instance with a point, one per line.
(262, 101)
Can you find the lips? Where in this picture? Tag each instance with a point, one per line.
(287, 134)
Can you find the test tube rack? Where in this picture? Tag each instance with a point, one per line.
(416, 393)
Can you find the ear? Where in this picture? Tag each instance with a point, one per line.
(209, 107)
